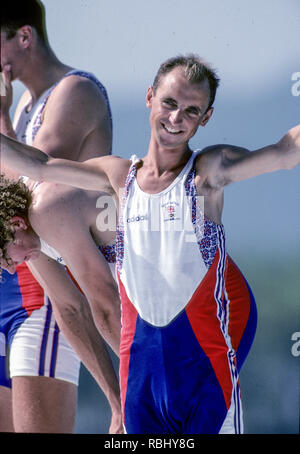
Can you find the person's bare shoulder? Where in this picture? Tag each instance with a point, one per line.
(213, 160)
(116, 168)
(57, 209)
(81, 96)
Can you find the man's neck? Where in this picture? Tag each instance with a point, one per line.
(43, 71)
(163, 160)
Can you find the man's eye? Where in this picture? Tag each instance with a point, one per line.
(192, 112)
(169, 103)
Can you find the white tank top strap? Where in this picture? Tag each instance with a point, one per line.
(51, 252)
(193, 159)
(134, 159)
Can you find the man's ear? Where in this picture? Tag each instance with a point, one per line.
(149, 97)
(206, 116)
(25, 35)
(18, 223)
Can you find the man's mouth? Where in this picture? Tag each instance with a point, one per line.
(171, 130)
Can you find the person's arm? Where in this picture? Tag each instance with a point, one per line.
(71, 236)
(75, 319)
(91, 271)
(236, 163)
(39, 166)
(107, 173)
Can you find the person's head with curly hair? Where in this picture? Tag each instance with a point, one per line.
(18, 242)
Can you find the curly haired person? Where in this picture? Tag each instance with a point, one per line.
(66, 112)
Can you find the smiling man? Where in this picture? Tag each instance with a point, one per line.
(188, 314)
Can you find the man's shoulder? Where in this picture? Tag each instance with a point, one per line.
(210, 154)
(54, 202)
(79, 97)
(213, 161)
(114, 160)
(117, 168)
(220, 153)
(80, 84)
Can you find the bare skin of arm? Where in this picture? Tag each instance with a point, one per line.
(234, 163)
(74, 317)
(219, 165)
(66, 221)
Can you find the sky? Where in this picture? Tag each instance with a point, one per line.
(250, 42)
(253, 45)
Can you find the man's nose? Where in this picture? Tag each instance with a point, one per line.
(176, 116)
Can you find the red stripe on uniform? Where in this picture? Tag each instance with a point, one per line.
(202, 314)
(129, 317)
(239, 301)
(31, 292)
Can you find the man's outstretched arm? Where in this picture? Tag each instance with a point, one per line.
(233, 163)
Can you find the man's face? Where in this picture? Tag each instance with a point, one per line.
(25, 246)
(178, 108)
(12, 53)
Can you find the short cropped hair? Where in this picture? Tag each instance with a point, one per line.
(196, 70)
(16, 13)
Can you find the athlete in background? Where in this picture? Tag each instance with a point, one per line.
(66, 113)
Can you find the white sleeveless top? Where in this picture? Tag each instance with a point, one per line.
(24, 125)
(51, 252)
(164, 239)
